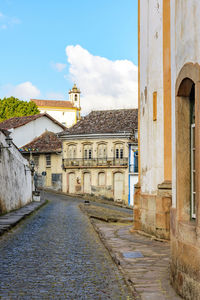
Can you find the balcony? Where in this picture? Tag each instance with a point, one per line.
(69, 163)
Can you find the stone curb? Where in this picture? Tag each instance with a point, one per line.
(88, 197)
(105, 219)
(12, 218)
(115, 258)
(117, 261)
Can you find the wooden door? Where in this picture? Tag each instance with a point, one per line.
(118, 186)
(87, 183)
(71, 183)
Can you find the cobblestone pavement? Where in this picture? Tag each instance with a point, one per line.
(56, 254)
(144, 262)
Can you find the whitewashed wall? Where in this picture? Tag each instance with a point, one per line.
(185, 48)
(15, 183)
(67, 118)
(26, 133)
(151, 79)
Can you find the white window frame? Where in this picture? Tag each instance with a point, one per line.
(193, 173)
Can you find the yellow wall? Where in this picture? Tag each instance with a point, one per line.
(55, 168)
(108, 189)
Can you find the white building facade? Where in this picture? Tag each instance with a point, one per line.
(15, 177)
(65, 112)
(25, 129)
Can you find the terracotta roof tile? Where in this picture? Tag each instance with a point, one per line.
(105, 121)
(53, 103)
(45, 143)
(20, 121)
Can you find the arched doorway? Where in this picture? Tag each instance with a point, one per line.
(87, 183)
(186, 140)
(185, 213)
(118, 186)
(71, 183)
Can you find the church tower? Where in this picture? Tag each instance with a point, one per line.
(74, 96)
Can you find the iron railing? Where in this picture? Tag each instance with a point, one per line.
(94, 162)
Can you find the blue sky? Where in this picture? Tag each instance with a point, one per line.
(35, 61)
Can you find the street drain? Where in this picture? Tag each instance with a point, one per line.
(134, 254)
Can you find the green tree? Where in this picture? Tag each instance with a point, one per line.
(13, 107)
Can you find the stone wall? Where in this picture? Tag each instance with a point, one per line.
(15, 181)
(152, 212)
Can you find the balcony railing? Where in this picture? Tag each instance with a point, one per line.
(94, 162)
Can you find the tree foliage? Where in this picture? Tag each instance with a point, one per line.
(13, 107)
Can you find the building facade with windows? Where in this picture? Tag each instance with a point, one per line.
(46, 152)
(65, 112)
(96, 154)
(169, 134)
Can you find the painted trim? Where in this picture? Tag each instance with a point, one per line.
(129, 193)
(138, 90)
(94, 136)
(56, 108)
(167, 91)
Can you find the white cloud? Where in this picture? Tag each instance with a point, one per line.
(6, 21)
(58, 66)
(104, 84)
(23, 91)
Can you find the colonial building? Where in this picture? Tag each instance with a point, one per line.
(96, 152)
(65, 112)
(169, 133)
(45, 150)
(153, 196)
(25, 129)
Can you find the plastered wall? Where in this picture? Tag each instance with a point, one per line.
(15, 182)
(151, 80)
(25, 134)
(65, 117)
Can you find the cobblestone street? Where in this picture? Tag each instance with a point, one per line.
(56, 254)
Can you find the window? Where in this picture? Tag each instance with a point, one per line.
(48, 160)
(119, 151)
(56, 177)
(90, 154)
(101, 179)
(102, 151)
(87, 151)
(56, 181)
(193, 171)
(75, 97)
(136, 162)
(36, 160)
(192, 154)
(72, 151)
